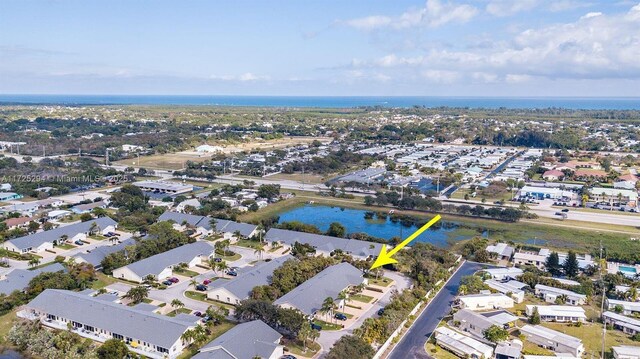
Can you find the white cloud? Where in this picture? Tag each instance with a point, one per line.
(247, 76)
(509, 7)
(441, 76)
(564, 5)
(435, 13)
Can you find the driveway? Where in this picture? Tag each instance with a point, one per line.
(328, 338)
(412, 344)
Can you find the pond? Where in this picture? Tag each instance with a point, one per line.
(10, 354)
(382, 226)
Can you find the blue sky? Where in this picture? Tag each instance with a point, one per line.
(355, 47)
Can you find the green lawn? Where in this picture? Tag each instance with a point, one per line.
(66, 246)
(381, 282)
(295, 347)
(203, 298)
(327, 325)
(173, 313)
(361, 298)
(591, 335)
(185, 272)
(231, 258)
(438, 352)
(249, 244)
(102, 281)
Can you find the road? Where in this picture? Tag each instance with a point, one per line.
(412, 344)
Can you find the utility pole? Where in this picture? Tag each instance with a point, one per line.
(604, 326)
(44, 154)
(106, 156)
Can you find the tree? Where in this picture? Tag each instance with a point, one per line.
(303, 335)
(328, 307)
(258, 252)
(137, 294)
(351, 347)
(336, 230)
(222, 266)
(535, 317)
(570, 265)
(85, 217)
(269, 191)
(113, 349)
(34, 261)
(553, 264)
(495, 334)
(369, 200)
(177, 304)
(481, 256)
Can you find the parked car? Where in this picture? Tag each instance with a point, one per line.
(232, 273)
(288, 356)
(79, 242)
(198, 314)
(206, 282)
(340, 316)
(217, 260)
(173, 280)
(565, 210)
(167, 282)
(380, 311)
(315, 326)
(201, 287)
(108, 235)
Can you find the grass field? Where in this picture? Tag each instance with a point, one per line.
(306, 178)
(185, 272)
(591, 335)
(437, 352)
(203, 298)
(381, 282)
(102, 281)
(169, 161)
(173, 313)
(296, 348)
(327, 325)
(361, 298)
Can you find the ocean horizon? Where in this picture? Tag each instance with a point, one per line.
(572, 103)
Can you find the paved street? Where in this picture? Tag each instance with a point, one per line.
(328, 338)
(412, 344)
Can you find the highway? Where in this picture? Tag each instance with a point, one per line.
(412, 344)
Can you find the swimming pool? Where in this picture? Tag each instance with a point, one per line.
(627, 269)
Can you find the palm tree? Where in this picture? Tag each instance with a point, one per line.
(34, 261)
(214, 224)
(137, 294)
(64, 238)
(343, 296)
(213, 265)
(258, 252)
(222, 266)
(193, 282)
(177, 304)
(149, 279)
(238, 235)
(328, 307)
(303, 335)
(93, 228)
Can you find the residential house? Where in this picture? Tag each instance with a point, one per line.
(462, 345)
(626, 352)
(476, 323)
(552, 294)
(164, 187)
(539, 259)
(41, 241)
(628, 325)
(19, 222)
(96, 255)
(552, 175)
(558, 313)
(26, 209)
(309, 296)
(161, 265)
(192, 202)
(88, 207)
(503, 251)
(144, 332)
(509, 350)
(504, 273)
(248, 340)
(553, 340)
(8, 196)
(239, 288)
(202, 225)
(628, 308)
(58, 214)
(18, 279)
(485, 301)
(512, 288)
(324, 244)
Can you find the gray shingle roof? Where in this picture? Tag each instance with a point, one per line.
(99, 253)
(244, 341)
(36, 239)
(308, 296)
(324, 243)
(116, 318)
(242, 285)
(157, 263)
(18, 279)
(222, 225)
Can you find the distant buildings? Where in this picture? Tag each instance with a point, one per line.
(169, 188)
(202, 225)
(146, 333)
(365, 176)
(539, 259)
(540, 193)
(208, 149)
(8, 196)
(553, 340)
(42, 241)
(551, 294)
(512, 288)
(614, 195)
(503, 251)
(502, 273)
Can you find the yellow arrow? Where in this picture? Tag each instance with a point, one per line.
(385, 257)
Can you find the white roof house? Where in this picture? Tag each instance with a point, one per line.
(551, 294)
(628, 325)
(504, 273)
(513, 287)
(462, 345)
(558, 313)
(628, 308)
(502, 250)
(208, 149)
(476, 323)
(485, 301)
(626, 352)
(553, 340)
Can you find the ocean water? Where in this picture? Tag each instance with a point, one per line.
(591, 103)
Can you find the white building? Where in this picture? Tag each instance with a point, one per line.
(501, 250)
(628, 308)
(551, 294)
(512, 288)
(553, 340)
(485, 301)
(628, 325)
(462, 345)
(626, 352)
(208, 149)
(558, 313)
(504, 273)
